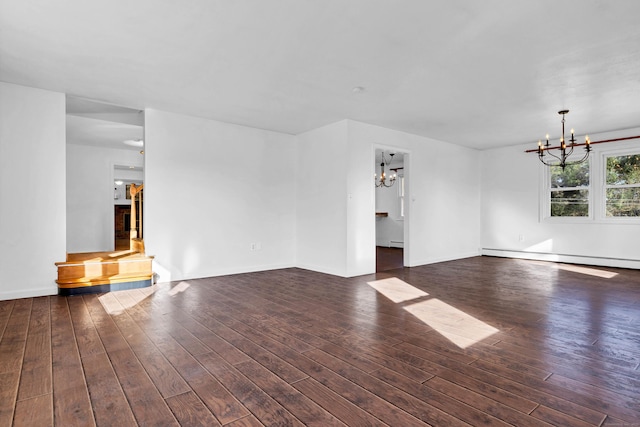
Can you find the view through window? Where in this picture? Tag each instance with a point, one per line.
(623, 186)
(570, 190)
(607, 187)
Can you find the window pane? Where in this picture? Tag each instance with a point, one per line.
(570, 203)
(623, 201)
(576, 175)
(623, 170)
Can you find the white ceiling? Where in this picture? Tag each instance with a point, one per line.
(102, 133)
(477, 73)
(103, 125)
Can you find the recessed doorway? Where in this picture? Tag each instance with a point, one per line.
(104, 143)
(390, 210)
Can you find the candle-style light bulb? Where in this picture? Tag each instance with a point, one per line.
(571, 131)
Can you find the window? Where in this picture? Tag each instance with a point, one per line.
(605, 189)
(569, 190)
(622, 186)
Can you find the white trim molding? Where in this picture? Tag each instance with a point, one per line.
(564, 258)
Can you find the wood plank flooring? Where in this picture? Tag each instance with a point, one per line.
(389, 258)
(481, 341)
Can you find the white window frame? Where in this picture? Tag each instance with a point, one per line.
(545, 197)
(401, 196)
(597, 189)
(602, 211)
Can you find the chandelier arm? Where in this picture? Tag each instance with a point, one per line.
(574, 162)
(585, 156)
(552, 155)
(547, 163)
(535, 150)
(568, 153)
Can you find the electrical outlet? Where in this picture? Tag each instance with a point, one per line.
(521, 237)
(253, 246)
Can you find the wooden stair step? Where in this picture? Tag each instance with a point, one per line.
(104, 270)
(100, 280)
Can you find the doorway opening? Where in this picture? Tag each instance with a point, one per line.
(124, 177)
(105, 170)
(390, 210)
(105, 148)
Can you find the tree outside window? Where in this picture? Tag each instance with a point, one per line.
(570, 190)
(622, 186)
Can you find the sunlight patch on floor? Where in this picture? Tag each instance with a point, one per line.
(180, 287)
(576, 268)
(457, 326)
(110, 304)
(117, 302)
(397, 290)
(586, 270)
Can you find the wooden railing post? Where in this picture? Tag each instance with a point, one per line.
(134, 242)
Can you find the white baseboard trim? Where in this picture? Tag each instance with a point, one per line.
(29, 293)
(396, 244)
(390, 244)
(167, 277)
(319, 269)
(564, 258)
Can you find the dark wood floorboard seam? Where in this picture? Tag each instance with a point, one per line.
(296, 347)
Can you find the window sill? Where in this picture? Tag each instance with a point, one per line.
(586, 220)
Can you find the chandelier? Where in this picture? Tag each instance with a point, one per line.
(384, 181)
(565, 151)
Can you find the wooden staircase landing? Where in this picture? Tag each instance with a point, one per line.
(93, 272)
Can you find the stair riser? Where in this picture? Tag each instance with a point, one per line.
(91, 271)
(94, 289)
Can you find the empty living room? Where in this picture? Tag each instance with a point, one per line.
(349, 213)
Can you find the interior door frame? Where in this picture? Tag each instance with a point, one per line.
(407, 198)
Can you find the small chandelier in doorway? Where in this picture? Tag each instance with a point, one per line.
(383, 180)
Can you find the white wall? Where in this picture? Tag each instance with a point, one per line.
(511, 185)
(211, 190)
(336, 198)
(90, 195)
(321, 199)
(442, 214)
(32, 190)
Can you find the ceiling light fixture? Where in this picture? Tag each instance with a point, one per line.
(382, 181)
(565, 151)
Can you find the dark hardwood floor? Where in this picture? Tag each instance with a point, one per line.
(389, 258)
(479, 341)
